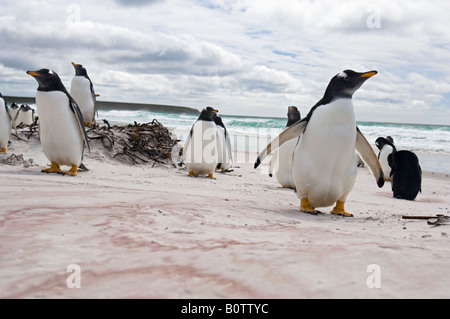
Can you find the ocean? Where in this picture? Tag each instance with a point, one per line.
(431, 143)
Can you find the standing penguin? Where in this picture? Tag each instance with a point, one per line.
(14, 113)
(406, 174)
(61, 127)
(82, 91)
(324, 163)
(5, 125)
(224, 145)
(200, 152)
(25, 115)
(386, 147)
(281, 161)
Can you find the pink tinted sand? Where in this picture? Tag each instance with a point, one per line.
(143, 232)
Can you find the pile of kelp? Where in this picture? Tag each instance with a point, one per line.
(135, 144)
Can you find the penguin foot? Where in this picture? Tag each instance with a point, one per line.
(210, 176)
(54, 168)
(191, 173)
(3, 150)
(305, 207)
(339, 210)
(72, 172)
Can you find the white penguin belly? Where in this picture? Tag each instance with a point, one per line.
(201, 151)
(324, 163)
(25, 118)
(80, 90)
(283, 165)
(224, 148)
(5, 125)
(14, 114)
(384, 153)
(59, 131)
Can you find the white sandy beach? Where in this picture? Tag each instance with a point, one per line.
(143, 232)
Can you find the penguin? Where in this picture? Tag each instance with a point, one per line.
(200, 152)
(25, 115)
(14, 113)
(224, 142)
(324, 161)
(82, 91)
(5, 125)
(61, 125)
(281, 161)
(406, 174)
(386, 147)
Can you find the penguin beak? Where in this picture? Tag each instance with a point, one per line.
(32, 73)
(215, 111)
(368, 74)
(290, 108)
(74, 64)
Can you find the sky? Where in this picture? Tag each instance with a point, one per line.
(243, 57)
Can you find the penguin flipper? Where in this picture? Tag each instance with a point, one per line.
(293, 131)
(79, 116)
(273, 163)
(369, 157)
(186, 144)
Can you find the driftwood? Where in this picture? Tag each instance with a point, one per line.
(440, 219)
(136, 144)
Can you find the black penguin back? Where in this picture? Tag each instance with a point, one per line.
(406, 174)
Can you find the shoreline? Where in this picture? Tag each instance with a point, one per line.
(153, 232)
(107, 105)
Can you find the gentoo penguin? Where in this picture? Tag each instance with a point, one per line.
(14, 113)
(25, 115)
(82, 91)
(386, 147)
(5, 125)
(200, 152)
(224, 145)
(61, 127)
(406, 174)
(281, 162)
(324, 163)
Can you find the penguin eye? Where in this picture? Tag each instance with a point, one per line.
(347, 78)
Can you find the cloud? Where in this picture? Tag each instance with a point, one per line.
(137, 3)
(242, 55)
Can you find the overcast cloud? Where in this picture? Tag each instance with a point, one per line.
(248, 57)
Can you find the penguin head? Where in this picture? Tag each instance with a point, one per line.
(390, 139)
(344, 84)
(208, 114)
(79, 69)
(25, 108)
(48, 80)
(14, 105)
(293, 115)
(381, 142)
